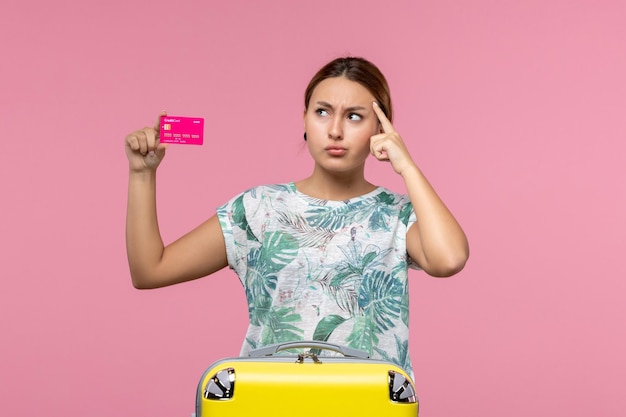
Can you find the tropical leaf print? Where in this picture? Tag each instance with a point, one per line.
(252, 343)
(259, 309)
(404, 308)
(380, 218)
(277, 322)
(279, 249)
(384, 211)
(343, 285)
(380, 297)
(380, 210)
(399, 273)
(358, 260)
(307, 235)
(337, 218)
(326, 326)
(343, 291)
(264, 263)
(402, 358)
(363, 335)
(278, 188)
(386, 198)
(405, 213)
(278, 327)
(379, 305)
(240, 220)
(323, 270)
(258, 282)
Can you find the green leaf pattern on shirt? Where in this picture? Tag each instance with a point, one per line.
(328, 271)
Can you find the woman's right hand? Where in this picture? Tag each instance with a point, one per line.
(143, 149)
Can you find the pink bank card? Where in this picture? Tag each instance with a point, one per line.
(182, 130)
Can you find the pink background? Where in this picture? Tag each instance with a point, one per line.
(516, 111)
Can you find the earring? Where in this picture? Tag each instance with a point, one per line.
(305, 136)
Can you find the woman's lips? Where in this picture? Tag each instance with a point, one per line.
(335, 150)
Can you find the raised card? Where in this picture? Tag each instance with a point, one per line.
(182, 130)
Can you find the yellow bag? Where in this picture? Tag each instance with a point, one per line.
(305, 385)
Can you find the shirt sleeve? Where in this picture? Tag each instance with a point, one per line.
(410, 220)
(237, 227)
(224, 215)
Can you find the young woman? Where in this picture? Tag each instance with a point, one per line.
(324, 258)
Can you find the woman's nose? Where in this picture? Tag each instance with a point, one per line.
(335, 130)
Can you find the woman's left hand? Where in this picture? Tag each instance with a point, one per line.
(388, 145)
(436, 241)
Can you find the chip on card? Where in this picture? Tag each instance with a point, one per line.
(182, 130)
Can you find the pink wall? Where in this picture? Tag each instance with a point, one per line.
(516, 110)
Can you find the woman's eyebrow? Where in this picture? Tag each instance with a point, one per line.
(348, 109)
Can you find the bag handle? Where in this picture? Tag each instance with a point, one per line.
(310, 344)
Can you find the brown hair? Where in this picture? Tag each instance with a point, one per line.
(358, 70)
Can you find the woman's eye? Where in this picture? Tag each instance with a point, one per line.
(322, 112)
(354, 117)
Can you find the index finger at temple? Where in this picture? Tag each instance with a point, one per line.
(384, 121)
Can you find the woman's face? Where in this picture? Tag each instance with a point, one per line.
(339, 123)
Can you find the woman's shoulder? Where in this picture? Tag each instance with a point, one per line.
(389, 197)
(264, 192)
(268, 190)
(272, 188)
